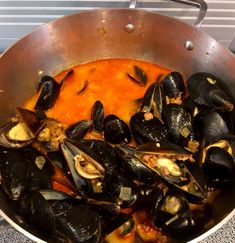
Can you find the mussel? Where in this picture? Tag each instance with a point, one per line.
(210, 125)
(100, 151)
(137, 170)
(23, 170)
(79, 129)
(178, 123)
(67, 219)
(121, 189)
(116, 131)
(171, 212)
(173, 84)
(50, 90)
(21, 131)
(219, 167)
(205, 89)
(97, 116)
(153, 100)
(50, 134)
(141, 77)
(168, 162)
(145, 127)
(82, 166)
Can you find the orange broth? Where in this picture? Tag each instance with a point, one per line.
(108, 82)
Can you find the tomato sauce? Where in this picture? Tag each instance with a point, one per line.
(107, 81)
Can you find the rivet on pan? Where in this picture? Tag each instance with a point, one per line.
(129, 28)
(189, 45)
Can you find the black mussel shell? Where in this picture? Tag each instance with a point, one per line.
(116, 131)
(153, 100)
(137, 170)
(210, 125)
(97, 116)
(30, 118)
(41, 169)
(121, 189)
(145, 129)
(71, 151)
(79, 129)
(141, 75)
(172, 213)
(173, 84)
(168, 161)
(178, 123)
(112, 220)
(49, 93)
(204, 89)
(36, 211)
(219, 167)
(15, 172)
(189, 106)
(101, 151)
(76, 223)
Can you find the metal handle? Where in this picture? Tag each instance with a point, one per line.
(201, 4)
(132, 3)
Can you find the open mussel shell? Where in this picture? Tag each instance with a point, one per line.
(100, 151)
(20, 133)
(15, 135)
(173, 84)
(82, 167)
(168, 162)
(219, 167)
(205, 89)
(171, 213)
(116, 131)
(145, 128)
(178, 123)
(137, 170)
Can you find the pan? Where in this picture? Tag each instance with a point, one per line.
(114, 33)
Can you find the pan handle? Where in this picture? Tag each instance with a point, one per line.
(201, 4)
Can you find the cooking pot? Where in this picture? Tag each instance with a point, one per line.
(113, 33)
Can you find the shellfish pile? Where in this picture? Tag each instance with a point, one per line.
(175, 150)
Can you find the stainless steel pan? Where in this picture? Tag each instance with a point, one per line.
(113, 33)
